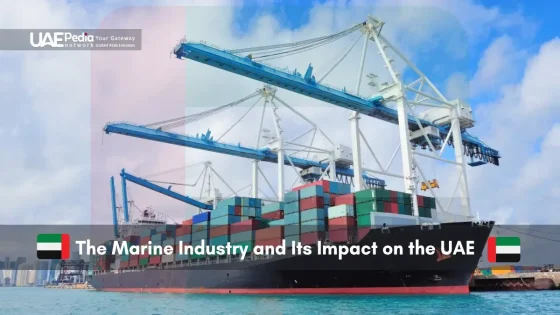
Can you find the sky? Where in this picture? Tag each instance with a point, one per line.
(56, 162)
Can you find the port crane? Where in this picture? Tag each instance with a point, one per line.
(201, 203)
(446, 123)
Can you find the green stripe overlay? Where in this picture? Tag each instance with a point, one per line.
(508, 241)
(49, 238)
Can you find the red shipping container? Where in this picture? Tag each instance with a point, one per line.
(237, 211)
(347, 199)
(187, 222)
(145, 255)
(220, 230)
(124, 264)
(311, 203)
(324, 183)
(133, 263)
(276, 215)
(244, 226)
(311, 238)
(154, 260)
(145, 240)
(342, 223)
(340, 236)
(393, 196)
(394, 208)
(387, 207)
(184, 230)
(362, 232)
(267, 242)
(274, 232)
(133, 258)
(420, 200)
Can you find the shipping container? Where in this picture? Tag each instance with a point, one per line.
(343, 210)
(365, 208)
(250, 211)
(132, 239)
(201, 217)
(420, 200)
(272, 207)
(248, 245)
(325, 185)
(364, 221)
(219, 240)
(225, 220)
(378, 220)
(246, 225)
(362, 232)
(220, 230)
(312, 238)
(202, 235)
(270, 233)
(233, 201)
(158, 238)
(269, 242)
(276, 223)
(187, 222)
(291, 208)
(146, 232)
(342, 223)
(166, 228)
(393, 196)
(312, 215)
(133, 263)
(291, 197)
(183, 238)
(201, 226)
(274, 215)
(313, 226)
(183, 230)
(144, 261)
(311, 202)
(225, 210)
(242, 237)
(290, 239)
(340, 235)
(123, 264)
(292, 218)
(347, 199)
(292, 229)
(312, 191)
(376, 194)
(145, 240)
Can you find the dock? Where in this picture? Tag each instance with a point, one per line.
(516, 281)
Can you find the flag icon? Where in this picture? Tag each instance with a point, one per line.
(53, 246)
(504, 249)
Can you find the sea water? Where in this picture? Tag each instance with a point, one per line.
(27, 301)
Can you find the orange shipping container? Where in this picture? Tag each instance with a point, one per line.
(269, 242)
(270, 233)
(154, 260)
(220, 230)
(187, 222)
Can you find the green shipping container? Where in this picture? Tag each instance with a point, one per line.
(368, 207)
(248, 245)
(371, 195)
(405, 209)
(364, 220)
(144, 261)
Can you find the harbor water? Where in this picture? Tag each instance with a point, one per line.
(27, 301)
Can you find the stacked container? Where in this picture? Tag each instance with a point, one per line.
(312, 214)
(157, 240)
(291, 218)
(170, 241)
(125, 258)
(183, 234)
(200, 232)
(269, 236)
(243, 233)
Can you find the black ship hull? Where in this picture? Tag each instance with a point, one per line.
(325, 274)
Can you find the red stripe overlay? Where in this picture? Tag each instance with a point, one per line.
(491, 248)
(65, 254)
(459, 289)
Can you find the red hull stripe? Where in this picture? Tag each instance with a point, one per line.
(65, 254)
(491, 248)
(463, 289)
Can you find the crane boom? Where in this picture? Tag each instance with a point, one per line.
(144, 183)
(205, 142)
(307, 85)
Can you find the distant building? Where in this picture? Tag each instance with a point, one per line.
(22, 275)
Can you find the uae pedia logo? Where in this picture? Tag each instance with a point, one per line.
(53, 246)
(504, 249)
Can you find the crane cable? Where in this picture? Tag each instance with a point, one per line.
(295, 44)
(183, 120)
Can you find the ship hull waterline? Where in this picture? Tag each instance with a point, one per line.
(320, 274)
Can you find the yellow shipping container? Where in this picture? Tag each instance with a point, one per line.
(502, 270)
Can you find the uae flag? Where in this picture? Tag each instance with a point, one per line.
(53, 246)
(504, 249)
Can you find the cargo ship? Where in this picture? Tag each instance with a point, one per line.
(321, 211)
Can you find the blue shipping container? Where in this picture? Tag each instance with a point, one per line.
(291, 208)
(311, 191)
(166, 227)
(184, 238)
(201, 217)
(242, 237)
(197, 236)
(225, 220)
(292, 229)
(312, 215)
(271, 207)
(313, 226)
(169, 241)
(292, 218)
(276, 222)
(158, 238)
(291, 197)
(233, 201)
(222, 211)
